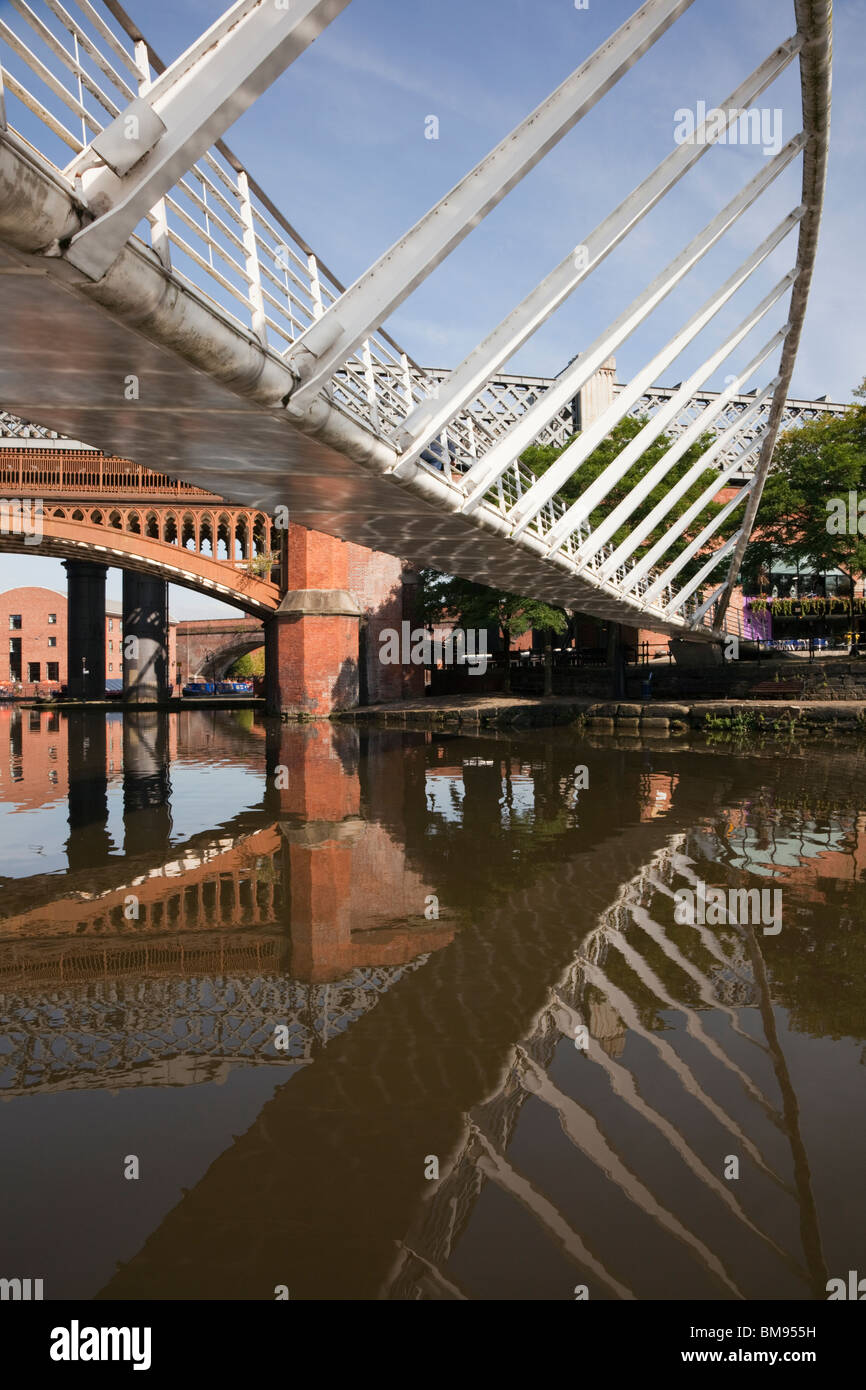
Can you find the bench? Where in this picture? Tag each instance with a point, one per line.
(776, 690)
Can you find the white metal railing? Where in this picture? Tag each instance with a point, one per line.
(70, 68)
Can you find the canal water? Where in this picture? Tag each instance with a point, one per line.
(331, 1012)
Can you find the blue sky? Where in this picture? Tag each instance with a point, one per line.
(339, 144)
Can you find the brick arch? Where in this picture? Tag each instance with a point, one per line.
(67, 539)
(226, 656)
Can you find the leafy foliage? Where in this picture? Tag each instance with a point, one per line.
(471, 605)
(250, 664)
(813, 465)
(539, 459)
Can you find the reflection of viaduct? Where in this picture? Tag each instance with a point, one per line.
(323, 601)
(192, 957)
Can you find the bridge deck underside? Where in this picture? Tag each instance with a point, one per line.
(64, 362)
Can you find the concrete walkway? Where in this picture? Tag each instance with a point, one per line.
(621, 716)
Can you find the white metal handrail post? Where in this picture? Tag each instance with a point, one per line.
(251, 260)
(158, 216)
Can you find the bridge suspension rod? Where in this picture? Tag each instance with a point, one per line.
(641, 490)
(326, 344)
(646, 563)
(695, 546)
(619, 467)
(697, 580)
(814, 20)
(638, 385)
(483, 474)
(430, 416)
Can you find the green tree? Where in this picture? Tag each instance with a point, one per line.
(804, 511)
(251, 664)
(442, 596)
(540, 458)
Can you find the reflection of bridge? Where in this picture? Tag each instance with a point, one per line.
(341, 1149)
(634, 955)
(275, 362)
(335, 1161)
(179, 1022)
(187, 963)
(412, 1025)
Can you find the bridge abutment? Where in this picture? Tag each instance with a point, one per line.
(85, 629)
(311, 642)
(145, 639)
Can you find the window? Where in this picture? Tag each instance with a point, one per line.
(54, 671)
(111, 625)
(110, 667)
(52, 641)
(111, 646)
(52, 617)
(33, 671)
(14, 622)
(15, 658)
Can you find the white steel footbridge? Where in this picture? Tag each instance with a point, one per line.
(130, 234)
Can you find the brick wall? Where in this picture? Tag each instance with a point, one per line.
(200, 641)
(43, 641)
(24, 620)
(383, 586)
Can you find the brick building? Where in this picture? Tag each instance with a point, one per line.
(34, 659)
